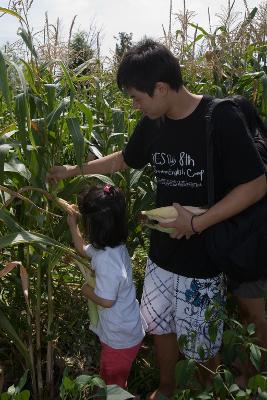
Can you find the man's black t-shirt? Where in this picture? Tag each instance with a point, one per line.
(177, 151)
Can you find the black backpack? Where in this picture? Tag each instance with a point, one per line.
(259, 140)
(238, 245)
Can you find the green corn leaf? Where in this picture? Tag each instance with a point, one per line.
(88, 114)
(21, 117)
(15, 165)
(4, 150)
(53, 117)
(15, 238)
(77, 138)
(12, 225)
(118, 120)
(27, 38)
(19, 71)
(135, 175)
(51, 95)
(7, 327)
(199, 28)
(4, 79)
(29, 75)
(11, 12)
(66, 74)
(22, 381)
(103, 178)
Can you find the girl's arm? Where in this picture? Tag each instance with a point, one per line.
(88, 292)
(76, 234)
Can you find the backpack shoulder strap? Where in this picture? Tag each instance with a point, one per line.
(209, 142)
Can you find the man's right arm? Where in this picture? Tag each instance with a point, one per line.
(105, 165)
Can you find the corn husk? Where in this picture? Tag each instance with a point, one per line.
(92, 307)
(162, 214)
(157, 227)
(165, 215)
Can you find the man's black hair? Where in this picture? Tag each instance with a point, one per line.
(104, 214)
(146, 64)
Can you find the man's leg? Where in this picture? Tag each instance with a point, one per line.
(207, 369)
(252, 311)
(196, 296)
(250, 299)
(157, 309)
(167, 353)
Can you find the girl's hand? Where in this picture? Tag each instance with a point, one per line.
(86, 290)
(73, 214)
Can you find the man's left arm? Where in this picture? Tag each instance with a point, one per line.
(237, 200)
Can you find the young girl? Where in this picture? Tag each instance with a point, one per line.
(119, 328)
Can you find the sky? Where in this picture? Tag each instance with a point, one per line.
(140, 17)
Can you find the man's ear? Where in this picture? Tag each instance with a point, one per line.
(162, 88)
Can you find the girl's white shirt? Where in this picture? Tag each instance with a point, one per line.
(119, 326)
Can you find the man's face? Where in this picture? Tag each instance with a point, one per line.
(153, 107)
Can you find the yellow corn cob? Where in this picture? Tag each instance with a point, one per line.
(167, 214)
(157, 227)
(68, 208)
(162, 214)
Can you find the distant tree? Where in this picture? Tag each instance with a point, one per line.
(125, 42)
(79, 50)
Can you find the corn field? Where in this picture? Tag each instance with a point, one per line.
(52, 114)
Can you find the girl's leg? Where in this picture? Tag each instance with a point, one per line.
(115, 364)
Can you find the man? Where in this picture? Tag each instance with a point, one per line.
(181, 282)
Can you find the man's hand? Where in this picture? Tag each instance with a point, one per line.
(60, 172)
(182, 224)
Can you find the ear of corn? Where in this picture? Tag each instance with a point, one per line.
(162, 214)
(157, 227)
(90, 279)
(68, 208)
(92, 307)
(167, 214)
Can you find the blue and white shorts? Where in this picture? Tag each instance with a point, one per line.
(190, 307)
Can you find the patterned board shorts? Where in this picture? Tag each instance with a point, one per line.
(192, 308)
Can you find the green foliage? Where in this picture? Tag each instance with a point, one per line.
(16, 392)
(125, 42)
(80, 50)
(53, 113)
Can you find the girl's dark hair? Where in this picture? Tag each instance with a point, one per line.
(103, 209)
(146, 64)
(253, 119)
